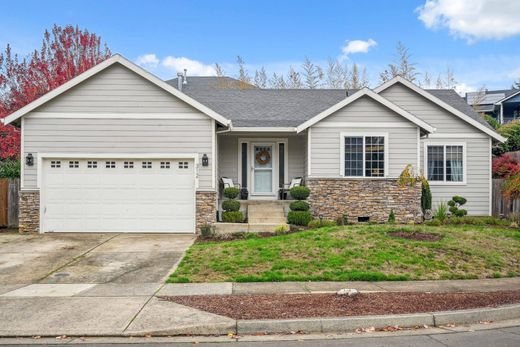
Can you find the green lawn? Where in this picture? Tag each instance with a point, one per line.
(356, 253)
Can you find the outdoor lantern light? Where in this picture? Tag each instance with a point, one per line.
(205, 160)
(29, 159)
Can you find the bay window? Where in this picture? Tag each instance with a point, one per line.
(445, 163)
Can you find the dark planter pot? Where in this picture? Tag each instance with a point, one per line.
(244, 194)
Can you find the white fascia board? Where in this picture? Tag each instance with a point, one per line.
(499, 102)
(440, 103)
(117, 58)
(365, 91)
(264, 129)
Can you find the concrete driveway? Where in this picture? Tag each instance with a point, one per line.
(89, 258)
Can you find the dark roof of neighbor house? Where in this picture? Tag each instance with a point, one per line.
(489, 97)
(249, 106)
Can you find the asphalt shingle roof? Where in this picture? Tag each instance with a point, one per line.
(248, 106)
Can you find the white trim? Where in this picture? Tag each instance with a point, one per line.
(22, 156)
(365, 125)
(499, 102)
(213, 155)
(74, 115)
(374, 96)
(116, 58)
(440, 103)
(501, 114)
(464, 162)
(363, 134)
(264, 129)
(418, 150)
(456, 136)
(42, 156)
(309, 153)
(490, 177)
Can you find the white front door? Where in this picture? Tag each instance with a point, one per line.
(263, 168)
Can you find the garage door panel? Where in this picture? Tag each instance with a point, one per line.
(119, 195)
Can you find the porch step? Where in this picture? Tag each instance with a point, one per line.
(266, 213)
(264, 227)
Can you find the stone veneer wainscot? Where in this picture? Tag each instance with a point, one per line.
(206, 209)
(29, 218)
(332, 197)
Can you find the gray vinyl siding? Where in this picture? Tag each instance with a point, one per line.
(228, 155)
(442, 120)
(117, 90)
(477, 189)
(325, 141)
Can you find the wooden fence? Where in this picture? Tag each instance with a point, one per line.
(9, 196)
(501, 206)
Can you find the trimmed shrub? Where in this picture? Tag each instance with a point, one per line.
(231, 192)
(391, 217)
(426, 196)
(231, 205)
(299, 217)
(232, 217)
(299, 205)
(207, 230)
(300, 192)
(10, 169)
(455, 206)
(320, 223)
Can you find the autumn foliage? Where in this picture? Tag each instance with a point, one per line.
(505, 166)
(65, 53)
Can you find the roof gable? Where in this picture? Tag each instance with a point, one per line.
(101, 67)
(378, 98)
(451, 109)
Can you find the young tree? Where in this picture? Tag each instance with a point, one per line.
(243, 75)
(355, 81)
(294, 80)
(403, 66)
(312, 74)
(260, 78)
(364, 78)
(219, 71)
(277, 82)
(65, 53)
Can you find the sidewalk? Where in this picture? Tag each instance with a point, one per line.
(134, 309)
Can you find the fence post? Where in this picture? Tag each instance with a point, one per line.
(13, 199)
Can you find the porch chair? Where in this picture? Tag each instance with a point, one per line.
(284, 191)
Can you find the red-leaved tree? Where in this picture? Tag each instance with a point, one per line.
(505, 166)
(65, 53)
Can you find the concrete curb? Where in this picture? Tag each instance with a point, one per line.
(348, 324)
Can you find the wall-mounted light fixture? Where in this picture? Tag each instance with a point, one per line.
(29, 159)
(205, 160)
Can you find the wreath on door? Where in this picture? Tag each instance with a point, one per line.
(263, 157)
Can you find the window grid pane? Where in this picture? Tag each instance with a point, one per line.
(354, 156)
(454, 165)
(374, 156)
(436, 163)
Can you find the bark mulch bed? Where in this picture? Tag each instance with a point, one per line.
(281, 306)
(416, 235)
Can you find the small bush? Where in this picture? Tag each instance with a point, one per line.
(231, 205)
(299, 205)
(391, 217)
(281, 229)
(514, 217)
(426, 196)
(231, 192)
(505, 166)
(207, 231)
(300, 192)
(10, 169)
(442, 212)
(232, 217)
(433, 223)
(299, 217)
(407, 177)
(320, 223)
(455, 206)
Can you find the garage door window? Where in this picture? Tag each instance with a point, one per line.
(92, 164)
(73, 164)
(129, 165)
(165, 164)
(147, 164)
(183, 165)
(55, 164)
(110, 164)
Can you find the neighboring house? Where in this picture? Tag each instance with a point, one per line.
(503, 105)
(117, 149)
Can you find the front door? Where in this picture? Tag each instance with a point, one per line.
(262, 178)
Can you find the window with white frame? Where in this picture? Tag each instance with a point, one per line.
(445, 163)
(364, 156)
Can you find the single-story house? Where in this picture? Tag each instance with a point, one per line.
(118, 149)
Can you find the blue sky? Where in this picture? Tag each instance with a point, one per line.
(478, 39)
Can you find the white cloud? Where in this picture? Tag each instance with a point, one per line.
(463, 88)
(473, 20)
(148, 60)
(195, 68)
(357, 46)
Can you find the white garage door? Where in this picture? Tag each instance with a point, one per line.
(118, 195)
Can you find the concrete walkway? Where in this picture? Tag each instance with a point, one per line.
(121, 309)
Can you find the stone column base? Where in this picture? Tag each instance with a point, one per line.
(206, 208)
(357, 198)
(29, 219)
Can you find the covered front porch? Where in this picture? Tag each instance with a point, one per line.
(261, 163)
